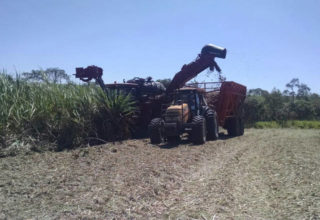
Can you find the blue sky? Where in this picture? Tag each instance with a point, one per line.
(269, 42)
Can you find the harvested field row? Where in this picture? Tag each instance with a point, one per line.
(271, 174)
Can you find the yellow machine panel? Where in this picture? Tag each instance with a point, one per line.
(178, 113)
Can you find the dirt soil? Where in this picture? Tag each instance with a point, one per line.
(265, 174)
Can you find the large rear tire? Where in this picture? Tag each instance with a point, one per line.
(155, 130)
(233, 127)
(212, 125)
(199, 130)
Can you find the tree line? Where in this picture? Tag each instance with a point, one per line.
(296, 102)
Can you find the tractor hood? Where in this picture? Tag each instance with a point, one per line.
(178, 113)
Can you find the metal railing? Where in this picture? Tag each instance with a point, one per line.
(207, 86)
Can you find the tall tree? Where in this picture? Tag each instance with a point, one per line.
(303, 90)
(57, 75)
(52, 75)
(292, 86)
(257, 92)
(274, 105)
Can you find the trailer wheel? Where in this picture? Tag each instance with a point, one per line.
(233, 127)
(199, 130)
(155, 131)
(212, 125)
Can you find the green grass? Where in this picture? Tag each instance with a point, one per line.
(288, 124)
(61, 115)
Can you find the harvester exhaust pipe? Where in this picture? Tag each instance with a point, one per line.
(217, 51)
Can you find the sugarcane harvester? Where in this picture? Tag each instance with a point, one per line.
(144, 92)
(197, 109)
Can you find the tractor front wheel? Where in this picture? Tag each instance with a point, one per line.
(155, 130)
(212, 125)
(199, 130)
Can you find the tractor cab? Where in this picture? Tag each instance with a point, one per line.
(193, 97)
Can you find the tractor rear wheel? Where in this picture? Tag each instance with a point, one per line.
(199, 130)
(212, 125)
(155, 130)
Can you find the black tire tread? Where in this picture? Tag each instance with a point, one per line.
(212, 125)
(155, 131)
(233, 127)
(197, 130)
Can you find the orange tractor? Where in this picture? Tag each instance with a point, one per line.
(199, 109)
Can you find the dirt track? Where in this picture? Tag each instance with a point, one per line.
(264, 174)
